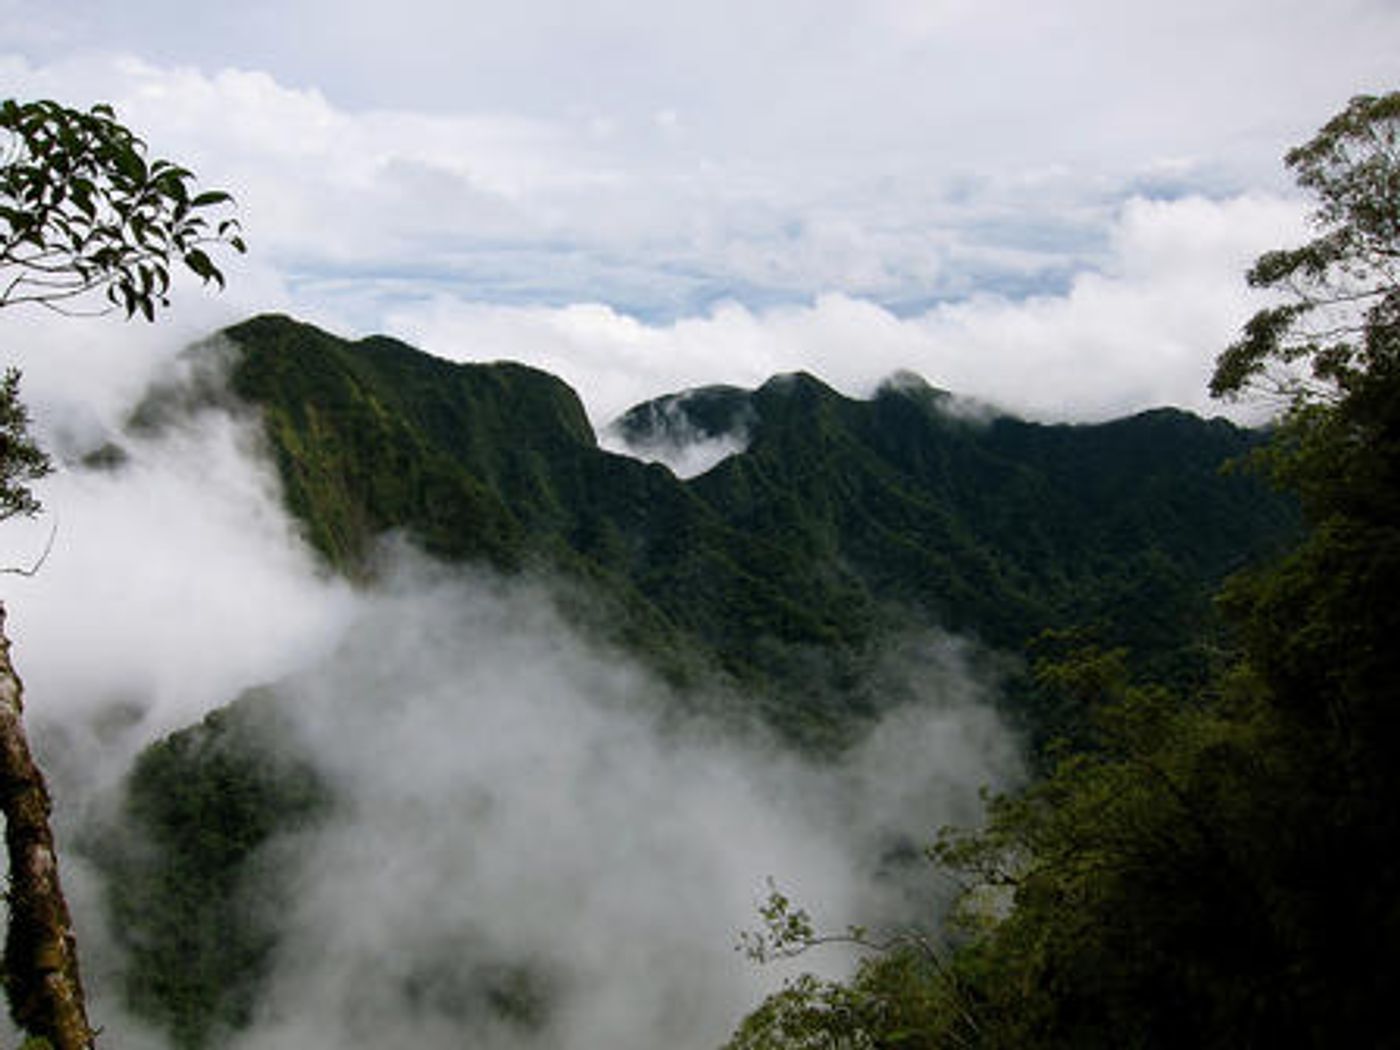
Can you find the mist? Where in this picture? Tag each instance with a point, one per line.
(673, 439)
(528, 848)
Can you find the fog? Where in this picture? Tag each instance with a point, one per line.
(670, 437)
(518, 810)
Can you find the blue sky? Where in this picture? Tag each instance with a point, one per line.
(1045, 205)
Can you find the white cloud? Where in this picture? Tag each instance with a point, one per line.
(672, 439)
(513, 802)
(173, 582)
(1144, 332)
(663, 160)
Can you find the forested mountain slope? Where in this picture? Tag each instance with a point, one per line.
(839, 515)
(780, 571)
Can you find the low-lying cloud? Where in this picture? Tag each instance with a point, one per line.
(512, 805)
(517, 823)
(668, 435)
(175, 578)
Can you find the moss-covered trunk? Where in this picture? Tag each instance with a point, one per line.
(41, 960)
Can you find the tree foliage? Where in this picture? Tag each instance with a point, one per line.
(85, 215)
(191, 895)
(83, 211)
(903, 993)
(21, 459)
(1339, 318)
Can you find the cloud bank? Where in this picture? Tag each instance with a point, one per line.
(1142, 332)
(1069, 242)
(663, 162)
(514, 816)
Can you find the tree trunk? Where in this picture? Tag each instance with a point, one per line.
(41, 959)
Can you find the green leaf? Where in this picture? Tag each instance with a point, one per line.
(130, 164)
(199, 262)
(209, 197)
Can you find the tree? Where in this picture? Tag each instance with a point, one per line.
(903, 992)
(1321, 625)
(1338, 326)
(83, 216)
(21, 458)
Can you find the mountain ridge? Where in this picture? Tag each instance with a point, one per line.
(834, 509)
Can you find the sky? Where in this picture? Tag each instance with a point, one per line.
(1049, 206)
(1046, 206)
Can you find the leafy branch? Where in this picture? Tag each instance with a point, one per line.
(1339, 320)
(83, 211)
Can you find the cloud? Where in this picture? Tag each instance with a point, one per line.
(1142, 332)
(175, 580)
(663, 161)
(995, 82)
(515, 812)
(668, 435)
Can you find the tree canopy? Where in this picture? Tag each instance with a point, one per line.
(87, 225)
(1337, 325)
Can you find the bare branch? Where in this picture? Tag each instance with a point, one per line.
(33, 570)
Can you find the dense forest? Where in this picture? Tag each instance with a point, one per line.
(838, 518)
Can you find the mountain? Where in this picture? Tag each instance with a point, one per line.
(782, 570)
(839, 517)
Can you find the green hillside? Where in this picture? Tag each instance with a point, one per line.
(780, 571)
(841, 515)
